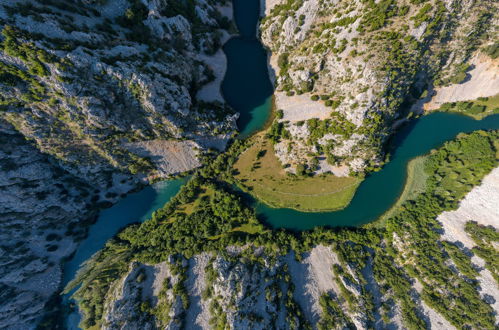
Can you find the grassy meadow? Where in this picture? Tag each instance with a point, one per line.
(260, 173)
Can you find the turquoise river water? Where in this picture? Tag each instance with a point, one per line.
(247, 88)
(136, 207)
(246, 85)
(379, 191)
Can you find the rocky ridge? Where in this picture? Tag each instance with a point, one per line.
(244, 288)
(344, 70)
(97, 99)
(402, 272)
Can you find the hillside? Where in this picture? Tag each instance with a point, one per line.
(346, 71)
(100, 98)
(216, 267)
(97, 98)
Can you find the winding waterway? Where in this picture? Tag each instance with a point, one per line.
(247, 88)
(380, 191)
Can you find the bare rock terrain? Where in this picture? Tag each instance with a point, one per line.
(483, 81)
(480, 205)
(101, 97)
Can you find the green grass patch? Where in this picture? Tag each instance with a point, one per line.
(478, 109)
(415, 184)
(260, 173)
(250, 228)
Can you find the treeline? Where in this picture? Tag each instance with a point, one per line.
(453, 171)
(485, 238)
(207, 215)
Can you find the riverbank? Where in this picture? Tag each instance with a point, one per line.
(414, 185)
(476, 109)
(260, 173)
(344, 268)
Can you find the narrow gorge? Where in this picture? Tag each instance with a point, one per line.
(291, 164)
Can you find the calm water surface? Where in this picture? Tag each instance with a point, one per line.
(136, 207)
(246, 86)
(380, 190)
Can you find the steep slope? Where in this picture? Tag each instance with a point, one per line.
(88, 84)
(97, 98)
(345, 71)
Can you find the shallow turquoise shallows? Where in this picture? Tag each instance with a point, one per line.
(136, 207)
(246, 86)
(380, 190)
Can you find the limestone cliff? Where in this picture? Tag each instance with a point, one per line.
(345, 71)
(96, 99)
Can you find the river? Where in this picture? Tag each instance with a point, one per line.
(250, 96)
(247, 88)
(136, 207)
(380, 190)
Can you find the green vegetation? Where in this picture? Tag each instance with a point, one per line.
(332, 314)
(32, 56)
(260, 172)
(486, 239)
(453, 170)
(462, 261)
(96, 278)
(478, 109)
(14, 44)
(163, 307)
(207, 216)
(423, 15)
(277, 131)
(493, 50)
(378, 14)
(390, 276)
(337, 125)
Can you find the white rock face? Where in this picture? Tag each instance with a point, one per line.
(41, 206)
(115, 95)
(313, 277)
(169, 157)
(480, 205)
(198, 314)
(330, 49)
(300, 107)
(483, 82)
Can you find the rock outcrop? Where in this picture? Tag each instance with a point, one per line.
(347, 70)
(97, 98)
